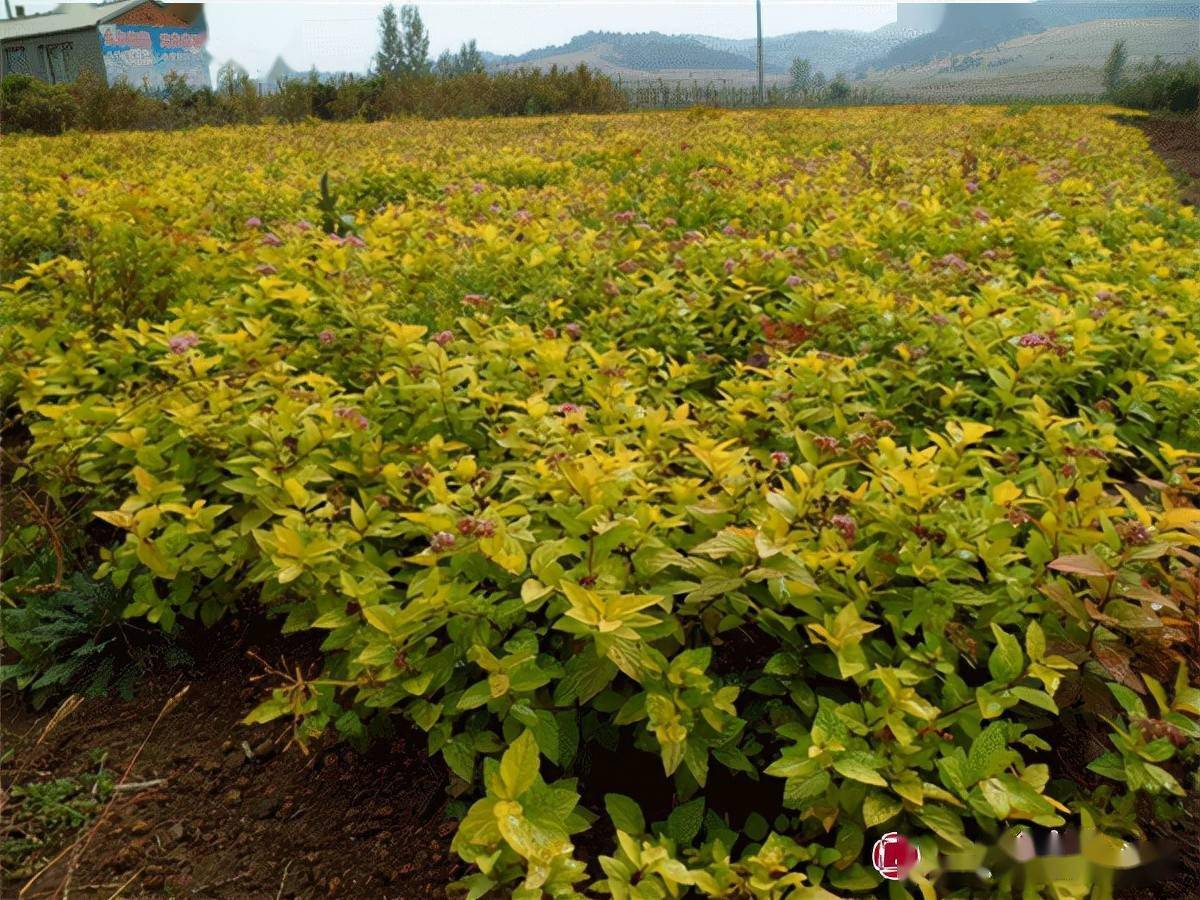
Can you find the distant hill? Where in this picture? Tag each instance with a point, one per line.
(828, 51)
(965, 27)
(611, 51)
(924, 34)
(1063, 60)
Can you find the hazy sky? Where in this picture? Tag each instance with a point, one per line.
(342, 36)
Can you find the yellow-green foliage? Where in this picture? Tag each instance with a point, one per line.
(854, 451)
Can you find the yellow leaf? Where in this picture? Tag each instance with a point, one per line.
(153, 559)
(145, 481)
(1138, 510)
(296, 491)
(1005, 493)
(1179, 517)
(406, 334)
(115, 517)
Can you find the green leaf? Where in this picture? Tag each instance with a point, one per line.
(519, 766)
(1154, 686)
(1109, 765)
(861, 766)
(879, 808)
(478, 826)
(946, 824)
(266, 711)
(792, 764)
(1006, 662)
(626, 815)
(476, 695)
(756, 827)
(989, 753)
(1036, 698)
(684, 822)
(459, 753)
(799, 789)
(532, 841)
(1035, 642)
(996, 796)
(1164, 780)
(1130, 702)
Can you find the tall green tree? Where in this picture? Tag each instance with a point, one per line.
(467, 61)
(414, 42)
(232, 79)
(800, 75)
(1114, 67)
(389, 60)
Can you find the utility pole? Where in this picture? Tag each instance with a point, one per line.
(7, 10)
(758, 13)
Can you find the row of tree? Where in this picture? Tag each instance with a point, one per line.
(1157, 85)
(404, 49)
(806, 84)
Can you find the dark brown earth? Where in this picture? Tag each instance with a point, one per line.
(275, 823)
(1177, 140)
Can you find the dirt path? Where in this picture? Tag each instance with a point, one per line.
(1177, 141)
(230, 824)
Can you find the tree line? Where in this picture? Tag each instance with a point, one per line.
(1156, 85)
(402, 80)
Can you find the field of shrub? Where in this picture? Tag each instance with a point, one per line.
(820, 473)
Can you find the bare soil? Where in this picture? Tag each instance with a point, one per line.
(224, 822)
(1176, 139)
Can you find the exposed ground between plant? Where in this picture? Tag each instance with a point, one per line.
(224, 822)
(1177, 140)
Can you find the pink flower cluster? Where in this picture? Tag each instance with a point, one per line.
(441, 542)
(1042, 341)
(953, 261)
(181, 343)
(826, 443)
(845, 525)
(1034, 339)
(472, 527)
(352, 415)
